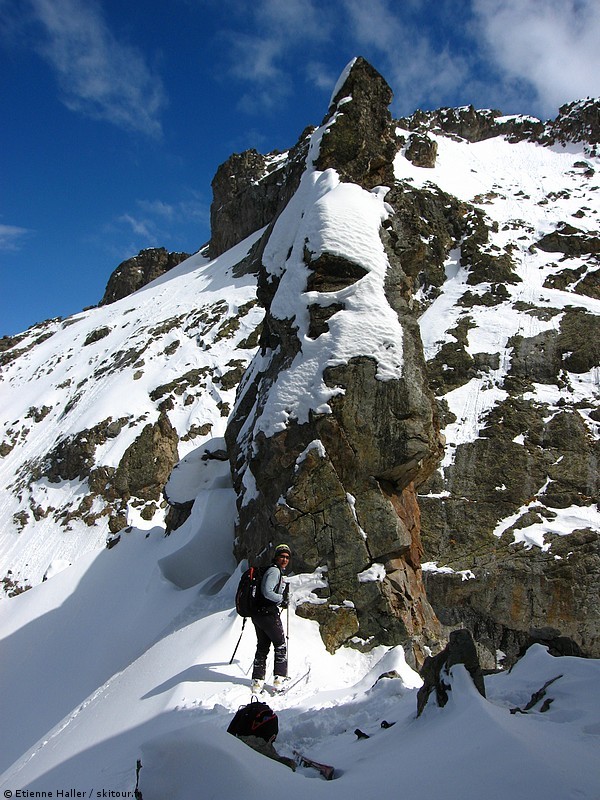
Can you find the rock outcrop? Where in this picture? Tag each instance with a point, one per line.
(133, 273)
(577, 121)
(436, 669)
(338, 483)
(250, 189)
(361, 143)
(366, 436)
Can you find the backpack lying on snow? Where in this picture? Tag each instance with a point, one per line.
(255, 719)
(248, 596)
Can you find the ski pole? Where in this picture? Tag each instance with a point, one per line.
(238, 642)
(287, 634)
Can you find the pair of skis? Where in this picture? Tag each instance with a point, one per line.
(326, 770)
(271, 690)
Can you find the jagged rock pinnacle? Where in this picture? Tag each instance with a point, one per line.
(361, 143)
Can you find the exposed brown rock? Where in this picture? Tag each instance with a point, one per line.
(436, 669)
(421, 151)
(147, 463)
(136, 272)
(340, 488)
(250, 190)
(361, 144)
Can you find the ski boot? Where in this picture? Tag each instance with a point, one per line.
(280, 683)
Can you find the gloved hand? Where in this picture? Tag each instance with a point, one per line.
(286, 596)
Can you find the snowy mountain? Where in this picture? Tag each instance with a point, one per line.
(387, 356)
(98, 409)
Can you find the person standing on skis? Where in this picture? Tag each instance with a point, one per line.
(267, 622)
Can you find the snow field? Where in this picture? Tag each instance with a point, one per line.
(110, 661)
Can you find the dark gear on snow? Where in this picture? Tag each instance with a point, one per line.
(248, 597)
(257, 726)
(255, 719)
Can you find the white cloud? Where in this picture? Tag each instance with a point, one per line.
(527, 55)
(419, 69)
(100, 76)
(553, 45)
(304, 19)
(375, 24)
(157, 208)
(141, 227)
(321, 75)
(254, 57)
(11, 236)
(156, 222)
(274, 31)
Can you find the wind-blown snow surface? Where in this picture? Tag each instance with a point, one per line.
(111, 662)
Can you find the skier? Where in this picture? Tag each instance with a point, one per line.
(267, 622)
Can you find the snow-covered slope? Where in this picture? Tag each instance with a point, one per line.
(527, 191)
(110, 662)
(116, 364)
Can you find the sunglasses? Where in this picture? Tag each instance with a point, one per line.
(284, 555)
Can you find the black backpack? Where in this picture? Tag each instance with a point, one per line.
(255, 719)
(248, 597)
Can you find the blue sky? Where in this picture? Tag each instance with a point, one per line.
(116, 115)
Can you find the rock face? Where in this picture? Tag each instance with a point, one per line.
(339, 485)
(361, 144)
(249, 190)
(136, 272)
(421, 151)
(140, 475)
(492, 514)
(459, 650)
(357, 485)
(577, 121)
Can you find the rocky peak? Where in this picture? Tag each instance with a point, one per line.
(250, 189)
(133, 273)
(466, 122)
(337, 481)
(471, 124)
(577, 121)
(359, 142)
(355, 484)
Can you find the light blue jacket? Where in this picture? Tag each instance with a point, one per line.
(272, 585)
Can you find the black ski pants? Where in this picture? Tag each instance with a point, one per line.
(269, 631)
